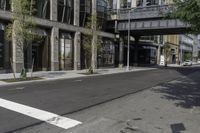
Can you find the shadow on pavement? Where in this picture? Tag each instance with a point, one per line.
(184, 91)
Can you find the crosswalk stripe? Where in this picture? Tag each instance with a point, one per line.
(41, 115)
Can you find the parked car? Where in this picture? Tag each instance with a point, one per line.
(187, 63)
(198, 61)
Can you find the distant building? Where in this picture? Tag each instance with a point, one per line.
(187, 43)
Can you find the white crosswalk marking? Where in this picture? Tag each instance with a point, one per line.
(45, 116)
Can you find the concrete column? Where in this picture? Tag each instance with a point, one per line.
(158, 54)
(121, 52)
(133, 3)
(118, 4)
(77, 51)
(77, 36)
(76, 12)
(17, 52)
(53, 10)
(54, 49)
(94, 37)
(54, 36)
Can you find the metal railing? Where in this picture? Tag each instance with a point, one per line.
(141, 12)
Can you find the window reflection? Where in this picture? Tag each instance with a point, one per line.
(85, 11)
(152, 2)
(5, 4)
(147, 2)
(65, 11)
(106, 57)
(101, 12)
(66, 52)
(42, 8)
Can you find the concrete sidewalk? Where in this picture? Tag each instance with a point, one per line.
(56, 75)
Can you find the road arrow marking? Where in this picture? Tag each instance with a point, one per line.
(45, 116)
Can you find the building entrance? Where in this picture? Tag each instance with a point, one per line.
(37, 55)
(66, 53)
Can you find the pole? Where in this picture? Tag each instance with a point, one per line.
(128, 50)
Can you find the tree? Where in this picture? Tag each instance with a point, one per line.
(167, 52)
(91, 42)
(20, 30)
(188, 11)
(187, 56)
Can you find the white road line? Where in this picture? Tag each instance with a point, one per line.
(45, 116)
(78, 80)
(19, 88)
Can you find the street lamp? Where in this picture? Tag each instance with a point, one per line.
(128, 50)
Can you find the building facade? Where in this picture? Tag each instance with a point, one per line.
(60, 24)
(179, 46)
(187, 45)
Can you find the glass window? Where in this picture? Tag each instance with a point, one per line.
(152, 2)
(65, 11)
(139, 2)
(66, 52)
(101, 12)
(85, 11)
(42, 8)
(5, 4)
(106, 57)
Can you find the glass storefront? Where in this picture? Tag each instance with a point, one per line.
(106, 57)
(38, 53)
(65, 11)
(147, 55)
(66, 52)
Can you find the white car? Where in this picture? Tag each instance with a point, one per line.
(187, 63)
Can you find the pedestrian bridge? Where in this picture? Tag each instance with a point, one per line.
(149, 20)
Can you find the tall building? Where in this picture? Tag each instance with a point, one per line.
(187, 43)
(61, 25)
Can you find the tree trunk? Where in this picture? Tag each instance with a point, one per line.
(94, 52)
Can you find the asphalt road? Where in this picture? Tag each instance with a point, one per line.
(64, 97)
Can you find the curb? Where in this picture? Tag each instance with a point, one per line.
(2, 84)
